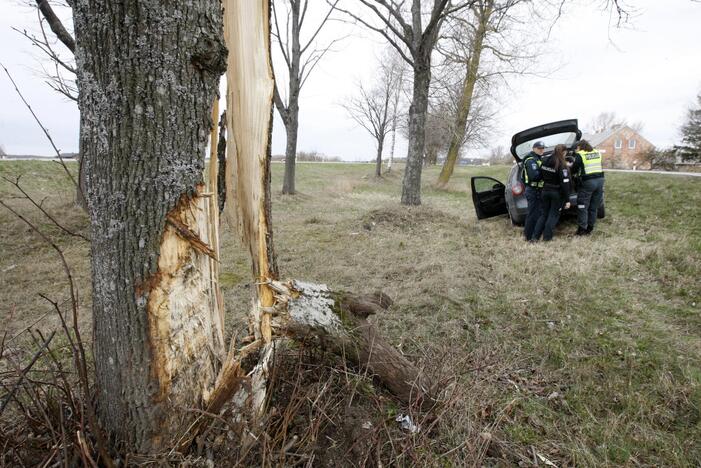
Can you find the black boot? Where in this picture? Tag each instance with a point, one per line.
(581, 232)
(589, 230)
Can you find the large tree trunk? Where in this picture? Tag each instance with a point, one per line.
(411, 184)
(148, 74)
(471, 74)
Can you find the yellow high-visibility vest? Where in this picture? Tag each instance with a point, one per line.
(591, 161)
(525, 173)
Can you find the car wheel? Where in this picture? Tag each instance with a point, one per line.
(514, 223)
(601, 212)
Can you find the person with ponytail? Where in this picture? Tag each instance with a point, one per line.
(556, 192)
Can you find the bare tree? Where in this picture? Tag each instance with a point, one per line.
(444, 108)
(300, 60)
(372, 108)
(3, 154)
(605, 121)
(481, 28)
(413, 31)
(499, 155)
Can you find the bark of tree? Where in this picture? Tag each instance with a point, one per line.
(148, 74)
(291, 130)
(378, 158)
(471, 76)
(411, 184)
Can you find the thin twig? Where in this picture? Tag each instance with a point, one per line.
(39, 206)
(78, 350)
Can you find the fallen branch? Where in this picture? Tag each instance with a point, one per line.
(338, 321)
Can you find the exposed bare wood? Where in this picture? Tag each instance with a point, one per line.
(181, 300)
(213, 211)
(249, 100)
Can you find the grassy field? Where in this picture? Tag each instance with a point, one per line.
(583, 351)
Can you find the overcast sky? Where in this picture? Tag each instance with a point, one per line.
(649, 71)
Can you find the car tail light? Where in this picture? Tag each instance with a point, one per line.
(517, 189)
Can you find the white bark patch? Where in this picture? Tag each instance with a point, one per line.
(314, 307)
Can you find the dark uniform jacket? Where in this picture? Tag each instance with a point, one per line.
(532, 168)
(556, 179)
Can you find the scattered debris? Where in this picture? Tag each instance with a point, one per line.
(545, 460)
(407, 424)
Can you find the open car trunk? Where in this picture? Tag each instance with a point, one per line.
(521, 142)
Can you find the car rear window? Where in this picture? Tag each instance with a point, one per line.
(550, 142)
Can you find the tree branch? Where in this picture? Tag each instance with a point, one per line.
(55, 24)
(321, 25)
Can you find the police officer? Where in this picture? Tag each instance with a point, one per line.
(556, 192)
(588, 166)
(533, 181)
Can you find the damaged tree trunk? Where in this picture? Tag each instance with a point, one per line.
(148, 74)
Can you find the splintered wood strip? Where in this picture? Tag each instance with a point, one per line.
(249, 120)
(213, 217)
(186, 233)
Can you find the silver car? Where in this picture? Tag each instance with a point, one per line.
(493, 198)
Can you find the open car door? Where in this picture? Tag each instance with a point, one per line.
(488, 197)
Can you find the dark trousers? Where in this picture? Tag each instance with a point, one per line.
(535, 208)
(552, 205)
(589, 197)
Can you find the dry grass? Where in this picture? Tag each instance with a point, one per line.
(581, 351)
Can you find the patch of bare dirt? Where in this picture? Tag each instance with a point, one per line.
(401, 217)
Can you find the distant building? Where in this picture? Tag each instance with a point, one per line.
(621, 147)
